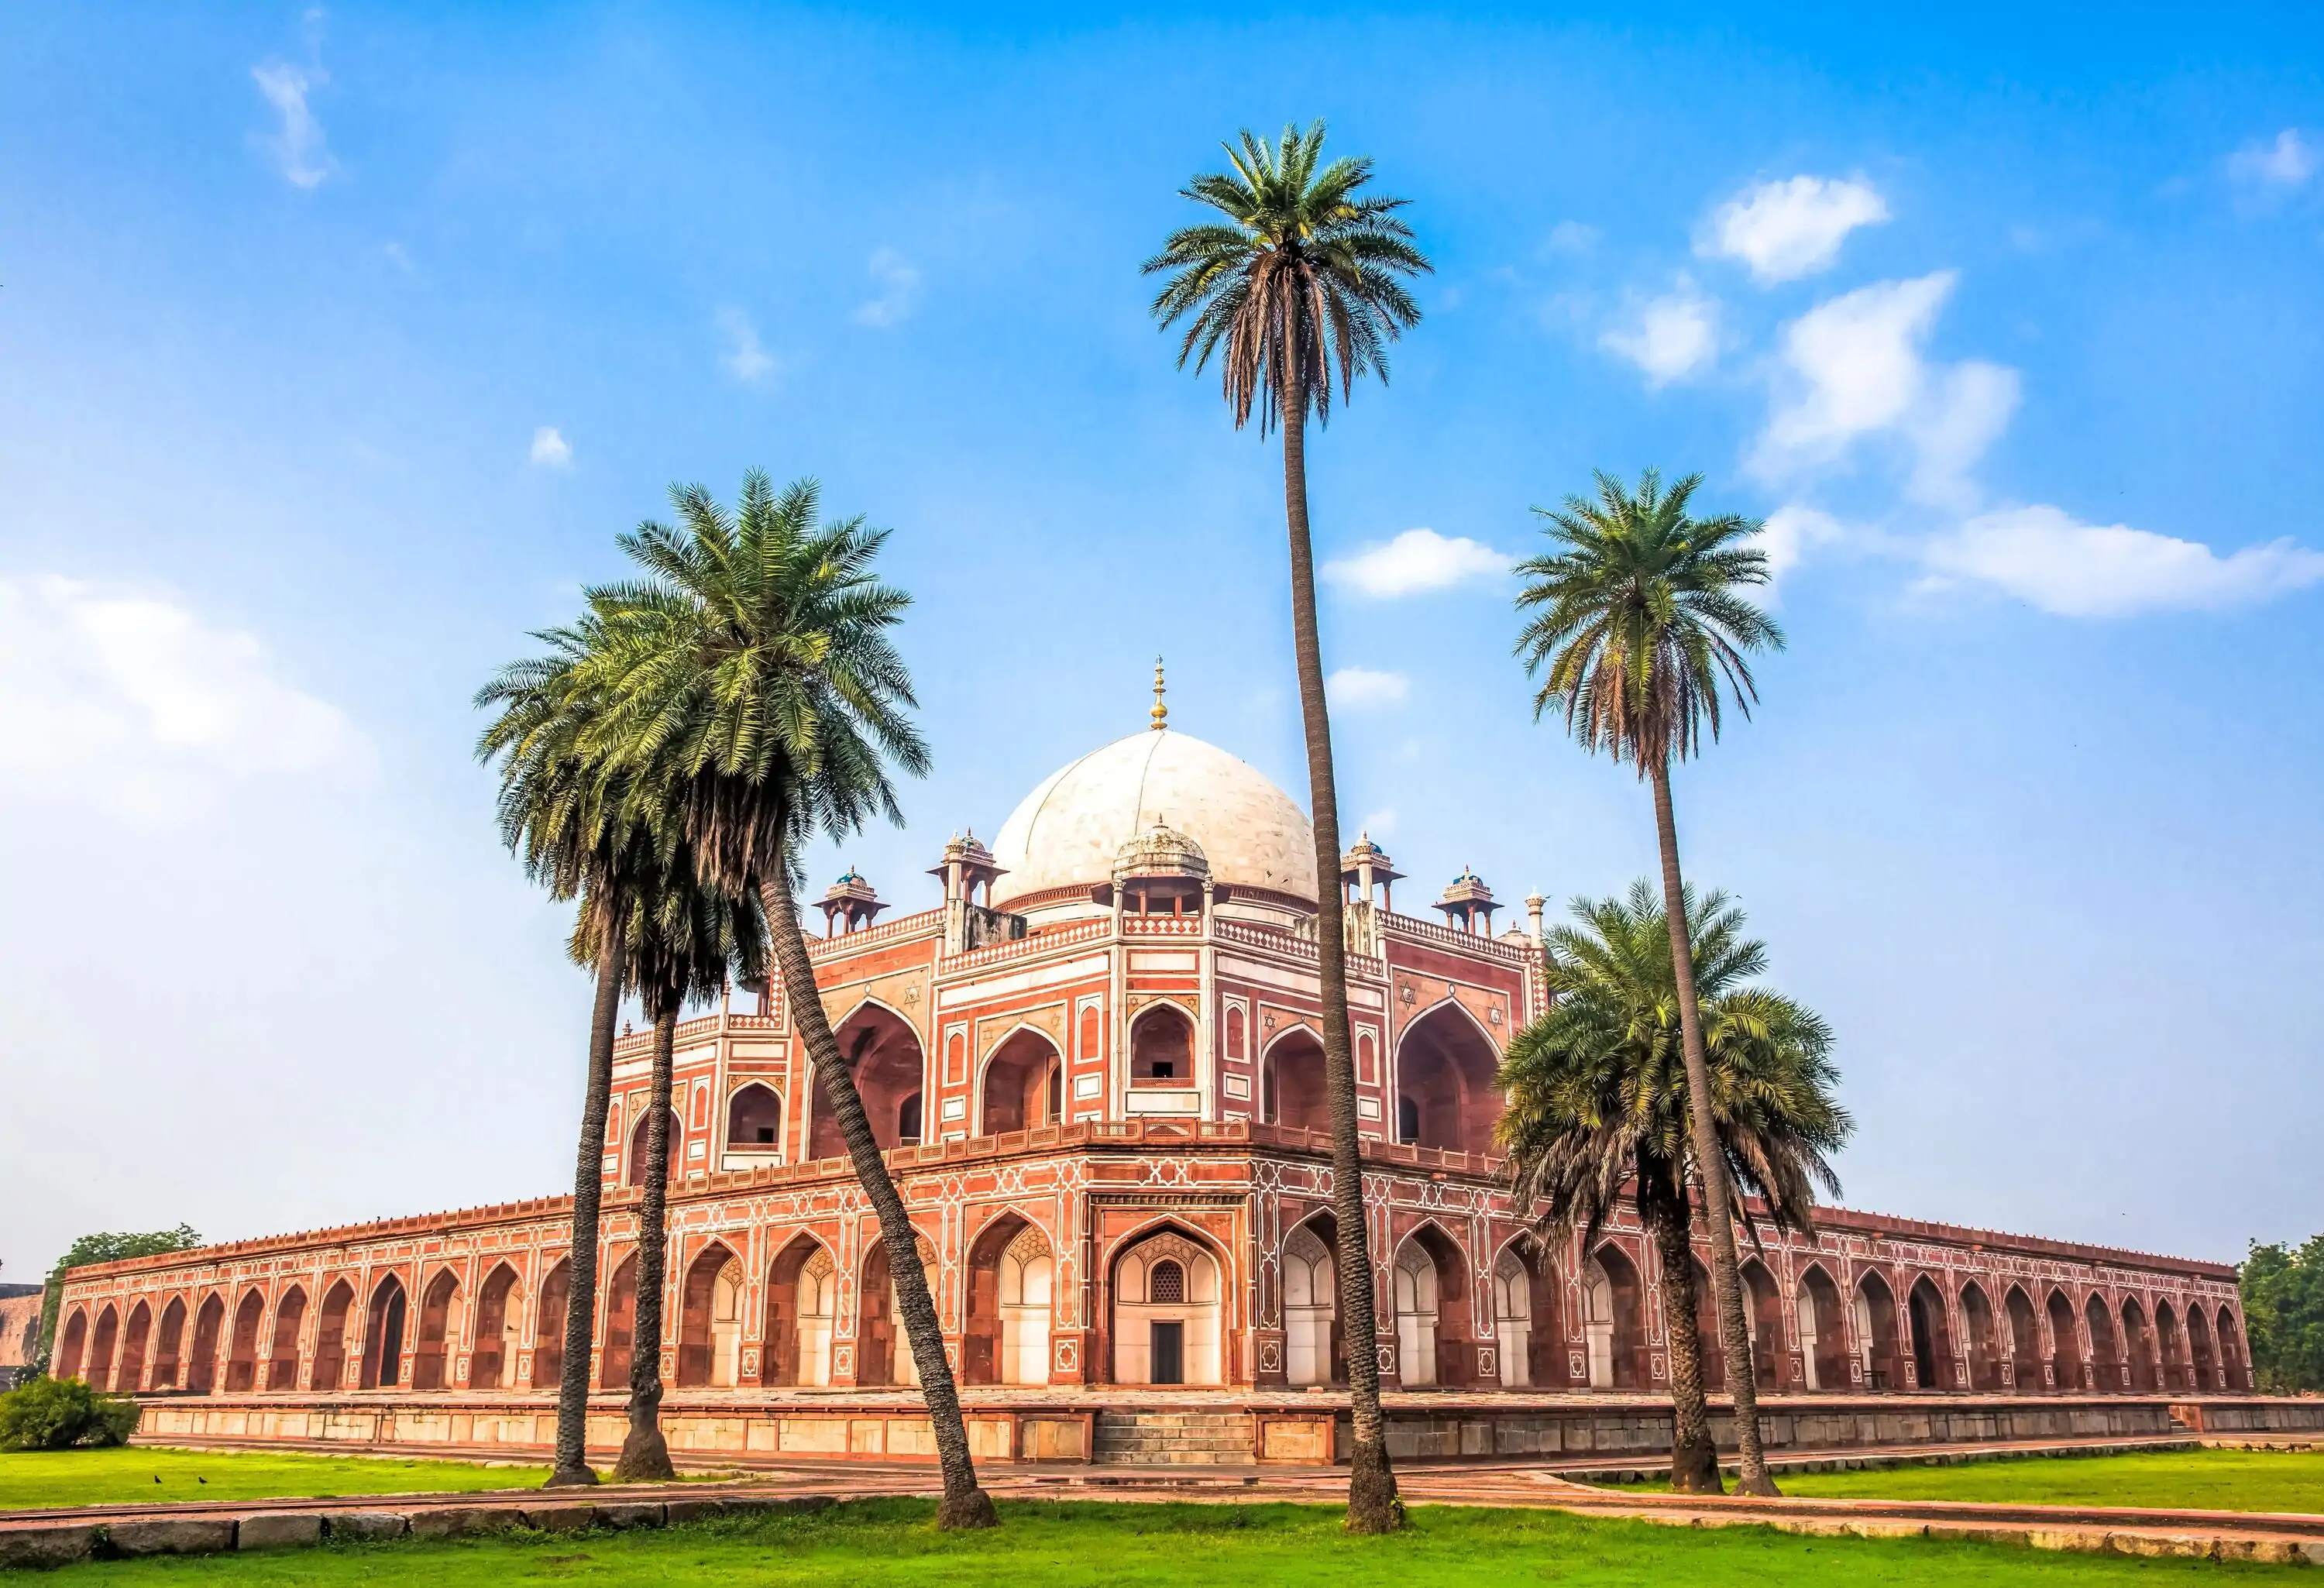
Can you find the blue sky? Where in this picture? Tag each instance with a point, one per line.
(336, 347)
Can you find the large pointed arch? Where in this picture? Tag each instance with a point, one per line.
(1447, 1080)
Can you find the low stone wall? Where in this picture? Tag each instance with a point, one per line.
(1130, 1428)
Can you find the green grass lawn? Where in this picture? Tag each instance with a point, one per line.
(2195, 1479)
(34, 1479)
(892, 1542)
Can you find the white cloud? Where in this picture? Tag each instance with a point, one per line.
(2287, 162)
(746, 359)
(2044, 556)
(1359, 686)
(1672, 336)
(1854, 368)
(1787, 230)
(1571, 237)
(1416, 560)
(549, 448)
(136, 706)
(297, 145)
(899, 288)
(1788, 532)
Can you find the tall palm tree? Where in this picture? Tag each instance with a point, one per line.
(756, 681)
(1297, 283)
(579, 832)
(1598, 1098)
(1640, 634)
(683, 941)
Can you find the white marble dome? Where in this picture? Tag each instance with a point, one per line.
(1070, 831)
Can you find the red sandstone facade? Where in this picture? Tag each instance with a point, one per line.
(1103, 1103)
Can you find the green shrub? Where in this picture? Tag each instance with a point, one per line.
(56, 1413)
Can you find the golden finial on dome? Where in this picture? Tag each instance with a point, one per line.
(1161, 713)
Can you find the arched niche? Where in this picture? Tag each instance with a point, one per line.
(1167, 1311)
(802, 1305)
(499, 1330)
(282, 1357)
(440, 1310)
(384, 1321)
(710, 1320)
(1446, 1094)
(1932, 1335)
(1162, 1048)
(241, 1355)
(330, 1369)
(1613, 1328)
(1824, 1338)
(754, 1120)
(548, 1321)
(1023, 1085)
(1314, 1350)
(136, 1334)
(621, 1325)
(1526, 1324)
(2025, 1340)
(1986, 1353)
(1292, 1090)
(2106, 1345)
(1011, 1295)
(883, 1347)
(890, 1067)
(1880, 1356)
(2065, 1342)
(634, 1172)
(1430, 1291)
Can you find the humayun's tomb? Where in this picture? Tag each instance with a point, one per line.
(1097, 1070)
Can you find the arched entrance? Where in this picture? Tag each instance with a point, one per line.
(710, 1321)
(1933, 1340)
(382, 1358)
(1312, 1353)
(1024, 1085)
(499, 1318)
(621, 1325)
(168, 1342)
(2024, 1341)
(209, 1323)
(889, 1067)
(283, 1360)
(331, 1336)
(1291, 1083)
(2232, 1360)
(1823, 1350)
(73, 1344)
(2199, 1347)
(2171, 1346)
(131, 1377)
(883, 1348)
(439, 1325)
(1162, 1048)
(1525, 1318)
(241, 1356)
(2065, 1344)
(802, 1300)
(1166, 1324)
(1875, 1308)
(2138, 1342)
(1613, 1334)
(1445, 1073)
(2106, 1352)
(1985, 1355)
(549, 1326)
(1012, 1279)
(100, 1356)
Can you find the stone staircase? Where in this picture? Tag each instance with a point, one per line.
(1169, 1437)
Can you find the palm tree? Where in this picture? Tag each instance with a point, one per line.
(757, 683)
(1598, 1098)
(578, 832)
(683, 942)
(1638, 635)
(1299, 283)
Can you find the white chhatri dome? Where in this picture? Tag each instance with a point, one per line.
(1070, 831)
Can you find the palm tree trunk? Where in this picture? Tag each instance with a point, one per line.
(588, 1179)
(1726, 1280)
(964, 1504)
(645, 1454)
(1695, 1458)
(1373, 1503)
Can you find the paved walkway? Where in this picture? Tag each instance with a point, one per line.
(53, 1537)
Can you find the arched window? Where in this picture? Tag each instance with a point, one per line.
(1162, 1048)
(635, 1174)
(1166, 1283)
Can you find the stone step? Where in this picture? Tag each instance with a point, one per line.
(1173, 1438)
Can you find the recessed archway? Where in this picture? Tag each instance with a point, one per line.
(135, 1338)
(1984, 1352)
(621, 1325)
(1612, 1331)
(1024, 1084)
(2199, 1347)
(2106, 1352)
(1314, 1350)
(1432, 1334)
(2232, 1358)
(1880, 1359)
(103, 1339)
(710, 1321)
(241, 1356)
(2138, 1342)
(1531, 1345)
(382, 1358)
(548, 1320)
(1292, 1092)
(1824, 1350)
(1162, 1048)
(73, 1344)
(168, 1342)
(2024, 1341)
(2065, 1344)
(331, 1336)
(754, 1120)
(439, 1325)
(500, 1332)
(282, 1359)
(883, 1346)
(890, 1067)
(2171, 1346)
(1932, 1338)
(634, 1172)
(802, 1302)
(1446, 1075)
(1012, 1291)
(1167, 1311)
